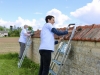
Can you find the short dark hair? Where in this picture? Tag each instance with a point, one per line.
(48, 17)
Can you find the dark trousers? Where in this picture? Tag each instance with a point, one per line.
(22, 48)
(45, 59)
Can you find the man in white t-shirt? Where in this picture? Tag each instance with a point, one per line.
(47, 44)
(23, 39)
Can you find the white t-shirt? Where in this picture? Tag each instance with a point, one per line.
(23, 37)
(47, 37)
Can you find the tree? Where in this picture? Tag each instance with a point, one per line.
(2, 28)
(30, 28)
(15, 32)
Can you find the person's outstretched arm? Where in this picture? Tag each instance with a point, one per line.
(58, 32)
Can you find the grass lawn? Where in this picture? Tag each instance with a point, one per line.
(8, 65)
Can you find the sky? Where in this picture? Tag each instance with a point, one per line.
(32, 12)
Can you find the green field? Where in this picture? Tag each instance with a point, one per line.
(8, 65)
(9, 49)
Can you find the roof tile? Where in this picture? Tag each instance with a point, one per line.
(83, 33)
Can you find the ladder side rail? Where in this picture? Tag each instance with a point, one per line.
(60, 46)
(56, 55)
(60, 69)
(72, 35)
(67, 48)
(23, 56)
(21, 60)
(25, 51)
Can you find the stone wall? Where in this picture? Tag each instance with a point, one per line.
(84, 58)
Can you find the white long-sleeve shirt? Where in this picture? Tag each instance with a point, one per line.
(47, 37)
(23, 36)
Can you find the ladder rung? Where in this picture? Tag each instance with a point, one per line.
(60, 52)
(52, 72)
(57, 62)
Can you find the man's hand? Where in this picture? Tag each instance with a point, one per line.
(32, 34)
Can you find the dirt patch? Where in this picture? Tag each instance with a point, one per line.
(9, 44)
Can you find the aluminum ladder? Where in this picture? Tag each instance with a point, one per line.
(28, 44)
(62, 53)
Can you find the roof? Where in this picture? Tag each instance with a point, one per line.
(83, 33)
(3, 32)
(88, 33)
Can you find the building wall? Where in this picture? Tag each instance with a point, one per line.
(3, 34)
(84, 58)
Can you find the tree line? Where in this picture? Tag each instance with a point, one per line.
(13, 31)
